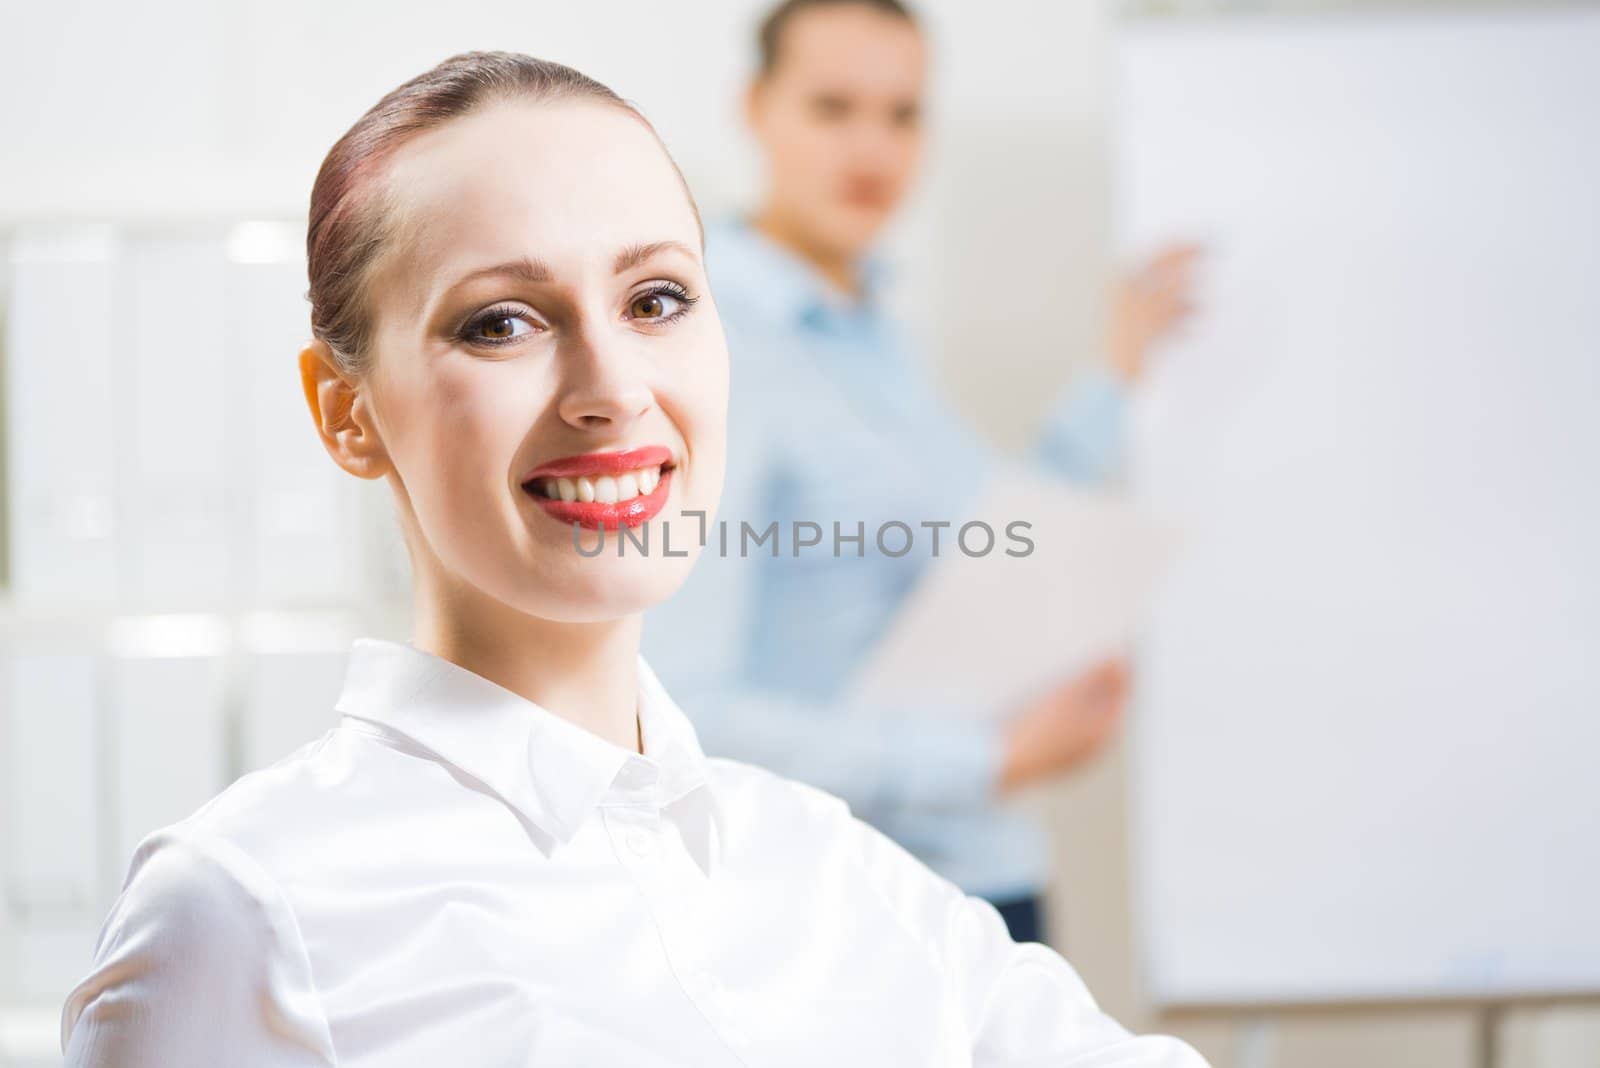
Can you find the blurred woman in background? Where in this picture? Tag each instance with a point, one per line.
(836, 420)
(511, 849)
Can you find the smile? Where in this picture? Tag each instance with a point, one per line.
(603, 489)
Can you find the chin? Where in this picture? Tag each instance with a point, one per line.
(593, 590)
(853, 231)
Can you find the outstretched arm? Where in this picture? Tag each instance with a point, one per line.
(1082, 438)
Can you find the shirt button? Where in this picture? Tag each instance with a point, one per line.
(641, 841)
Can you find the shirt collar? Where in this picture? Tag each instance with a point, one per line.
(782, 284)
(548, 768)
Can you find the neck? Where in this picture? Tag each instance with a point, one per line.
(586, 673)
(837, 266)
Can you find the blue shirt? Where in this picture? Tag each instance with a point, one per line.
(833, 419)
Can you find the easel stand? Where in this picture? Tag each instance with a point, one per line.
(1489, 1046)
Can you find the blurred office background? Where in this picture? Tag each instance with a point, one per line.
(181, 566)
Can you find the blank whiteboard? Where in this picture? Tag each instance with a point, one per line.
(1367, 746)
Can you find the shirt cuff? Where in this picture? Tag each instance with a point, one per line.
(1082, 437)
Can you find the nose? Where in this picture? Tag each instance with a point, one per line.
(874, 145)
(603, 387)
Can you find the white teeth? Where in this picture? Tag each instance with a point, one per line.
(605, 489)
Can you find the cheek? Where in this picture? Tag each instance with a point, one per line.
(701, 401)
(835, 151)
(696, 401)
(812, 148)
(909, 152)
(461, 433)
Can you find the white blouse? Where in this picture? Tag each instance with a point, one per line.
(455, 875)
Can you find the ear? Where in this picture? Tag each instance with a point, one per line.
(342, 411)
(753, 99)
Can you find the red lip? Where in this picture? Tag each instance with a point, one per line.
(602, 463)
(593, 515)
(864, 192)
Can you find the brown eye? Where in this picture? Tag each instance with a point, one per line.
(497, 326)
(663, 303)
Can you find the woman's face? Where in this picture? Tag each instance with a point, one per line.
(543, 311)
(839, 120)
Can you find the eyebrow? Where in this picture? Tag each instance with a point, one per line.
(523, 270)
(634, 255)
(535, 272)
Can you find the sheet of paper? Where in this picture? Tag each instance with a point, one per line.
(984, 631)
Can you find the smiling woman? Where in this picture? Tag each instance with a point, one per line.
(506, 272)
(511, 848)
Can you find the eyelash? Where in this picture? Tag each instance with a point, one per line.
(468, 329)
(673, 290)
(684, 298)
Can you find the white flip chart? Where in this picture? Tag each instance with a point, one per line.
(1365, 738)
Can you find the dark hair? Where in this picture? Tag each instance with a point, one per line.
(770, 35)
(352, 218)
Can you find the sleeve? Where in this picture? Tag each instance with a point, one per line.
(872, 757)
(1081, 440)
(1023, 1004)
(199, 963)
